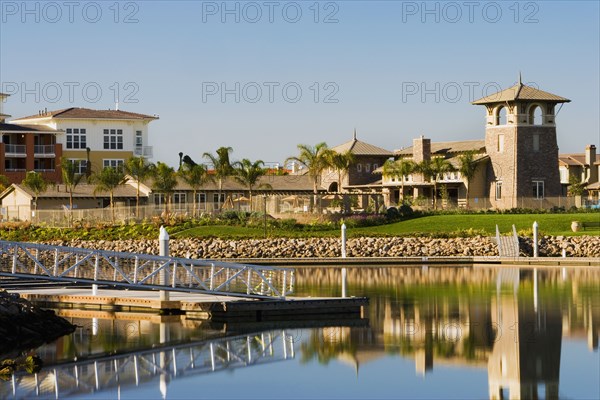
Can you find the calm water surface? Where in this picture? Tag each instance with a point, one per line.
(429, 332)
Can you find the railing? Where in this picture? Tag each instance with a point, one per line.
(508, 246)
(160, 365)
(47, 149)
(15, 149)
(143, 151)
(143, 271)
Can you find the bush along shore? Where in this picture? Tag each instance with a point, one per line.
(549, 246)
(24, 327)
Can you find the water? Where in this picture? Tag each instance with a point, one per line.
(429, 332)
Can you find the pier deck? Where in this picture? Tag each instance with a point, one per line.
(197, 305)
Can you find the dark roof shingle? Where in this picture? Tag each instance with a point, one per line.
(86, 113)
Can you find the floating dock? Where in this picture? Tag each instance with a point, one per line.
(196, 305)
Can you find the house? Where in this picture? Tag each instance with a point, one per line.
(112, 136)
(18, 202)
(578, 167)
(418, 186)
(28, 148)
(360, 176)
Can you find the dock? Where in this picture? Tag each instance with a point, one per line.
(216, 308)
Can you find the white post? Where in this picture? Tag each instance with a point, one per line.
(535, 290)
(344, 271)
(535, 239)
(163, 250)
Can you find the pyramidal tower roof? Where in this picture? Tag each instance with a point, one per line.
(521, 92)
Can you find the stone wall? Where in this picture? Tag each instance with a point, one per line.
(550, 246)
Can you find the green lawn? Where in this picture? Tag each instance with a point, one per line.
(549, 224)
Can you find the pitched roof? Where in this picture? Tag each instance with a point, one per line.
(27, 128)
(572, 159)
(80, 191)
(439, 148)
(359, 148)
(87, 113)
(521, 92)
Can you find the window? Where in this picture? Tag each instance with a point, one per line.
(113, 139)
(179, 200)
(538, 190)
(368, 167)
(359, 167)
(76, 138)
(201, 200)
(139, 141)
(564, 175)
(500, 143)
(80, 166)
(116, 163)
(375, 166)
(498, 190)
(536, 142)
(217, 200)
(159, 199)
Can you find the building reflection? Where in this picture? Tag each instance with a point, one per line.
(511, 324)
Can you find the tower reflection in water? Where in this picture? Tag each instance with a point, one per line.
(511, 322)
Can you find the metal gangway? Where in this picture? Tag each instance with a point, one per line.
(163, 365)
(142, 271)
(508, 246)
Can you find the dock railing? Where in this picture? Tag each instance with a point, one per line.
(143, 271)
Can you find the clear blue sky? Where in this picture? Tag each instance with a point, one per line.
(373, 58)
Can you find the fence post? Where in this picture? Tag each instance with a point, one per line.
(535, 238)
(163, 249)
(344, 271)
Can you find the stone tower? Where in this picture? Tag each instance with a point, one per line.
(520, 139)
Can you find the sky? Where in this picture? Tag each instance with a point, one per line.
(265, 76)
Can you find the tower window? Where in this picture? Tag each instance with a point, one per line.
(359, 167)
(500, 143)
(538, 190)
(536, 142)
(535, 115)
(501, 115)
(498, 190)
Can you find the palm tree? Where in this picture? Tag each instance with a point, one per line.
(467, 166)
(71, 178)
(36, 183)
(221, 165)
(316, 159)
(248, 173)
(4, 182)
(399, 169)
(437, 167)
(196, 176)
(139, 169)
(107, 180)
(165, 180)
(341, 162)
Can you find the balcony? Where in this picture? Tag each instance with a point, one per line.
(143, 151)
(15, 150)
(46, 150)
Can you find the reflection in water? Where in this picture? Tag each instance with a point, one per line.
(510, 321)
(160, 365)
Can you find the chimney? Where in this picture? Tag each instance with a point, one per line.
(590, 154)
(421, 149)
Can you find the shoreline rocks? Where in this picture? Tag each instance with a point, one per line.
(24, 326)
(549, 246)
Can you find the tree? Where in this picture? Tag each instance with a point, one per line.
(196, 176)
(164, 181)
(467, 166)
(248, 173)
(71, 178)
(399, 169)
(341, 162)
(316, 159)
(438, 166)
(36, 183)
(4, 182)
(139, 169)
(107, 180)
(221, 165)
(576, 187)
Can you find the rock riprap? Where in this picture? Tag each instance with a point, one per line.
(550, 246)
